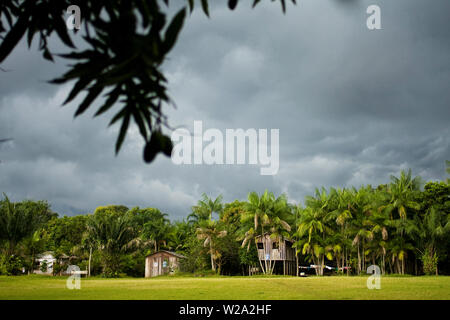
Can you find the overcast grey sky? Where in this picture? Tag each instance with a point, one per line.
(353, 107)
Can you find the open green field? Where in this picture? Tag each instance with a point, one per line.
(247, 288)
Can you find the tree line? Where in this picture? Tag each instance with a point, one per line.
(402, 226)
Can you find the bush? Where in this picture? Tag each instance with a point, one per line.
(248, 257)
(205, 273)
(11, 265)
(111, 265)
(44, 266)
(57, 268)
(430, 262)
(133, 265)
(197, 258)
(193, 263)
(108, 273)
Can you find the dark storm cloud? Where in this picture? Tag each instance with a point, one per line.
(28, 72)
(353, 107)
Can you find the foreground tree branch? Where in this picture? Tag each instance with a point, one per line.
(128, 41)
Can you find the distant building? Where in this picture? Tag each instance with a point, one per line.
(279, 250)
(48, 258)
(162, 262)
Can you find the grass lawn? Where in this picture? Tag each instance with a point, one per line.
(247, 288)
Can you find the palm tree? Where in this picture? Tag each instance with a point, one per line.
(433, 228)
(379, 222)
(342, 202)
(113, 234)
(360, 226)
(208, 231)
(312, 230)
(205, 208)
(398, 249)
(402, 195)
(16, 223)
(298, 210)
(315, 227)
(399, 246)
(372, 225)
(87, 243)
(178, 235)
(402, 191)
(157, 230)
(280, 217)
(265, 215)
(32, 245)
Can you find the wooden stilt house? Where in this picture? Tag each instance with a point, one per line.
(279, 251)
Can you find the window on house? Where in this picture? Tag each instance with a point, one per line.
(275, 245)
(260, 245)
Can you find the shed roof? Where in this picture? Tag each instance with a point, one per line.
(168, 252)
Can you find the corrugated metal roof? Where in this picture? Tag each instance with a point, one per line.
(169, 252)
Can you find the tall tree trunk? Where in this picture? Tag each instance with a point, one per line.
(316, 263)
(265, 260)
(415, 265)
(32, 263)
(11, 248)
(263, 238)
(90, 257)
(403, 266)
(346, 261)
(322, 265)
(359, 261)
(296, 260)
(437, 263)
(212, 258)
(363, 259)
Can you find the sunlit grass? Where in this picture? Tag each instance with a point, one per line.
(247, 288)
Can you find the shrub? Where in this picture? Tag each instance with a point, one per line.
(430, 262)
(57, 268)
(205, 273)
(44, 266)
(133, 265)
(11, 265)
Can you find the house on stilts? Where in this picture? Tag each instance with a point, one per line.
(278, 252)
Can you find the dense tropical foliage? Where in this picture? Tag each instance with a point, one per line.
(402, 226)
